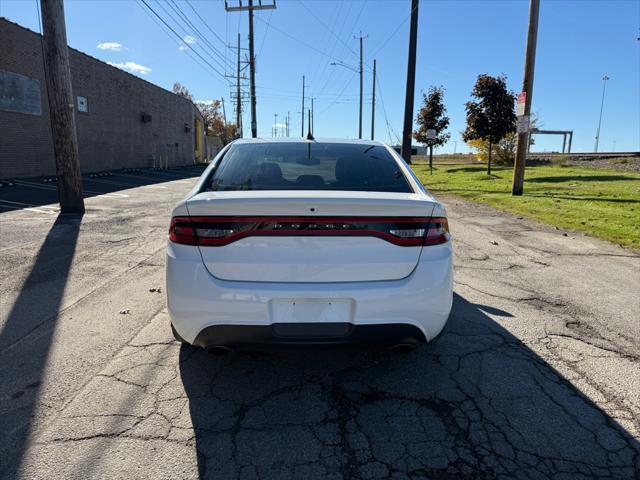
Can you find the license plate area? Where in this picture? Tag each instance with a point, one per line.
(311, 310)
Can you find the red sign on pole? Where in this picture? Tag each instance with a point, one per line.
(522, 99)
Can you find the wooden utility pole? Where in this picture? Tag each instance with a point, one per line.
(407, 130)
(238, 95)
(252, 59)
(360, 117)
(373, 103)
(252, 74)
(302, 128)
(224, 113)
(61, 106)
(361, 37)
(224, 117)
(527, 88)
(309, 134)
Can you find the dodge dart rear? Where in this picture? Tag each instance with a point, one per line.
(308, 242)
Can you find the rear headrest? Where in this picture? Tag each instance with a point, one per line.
(350, 169)
(269, 170)
(310, 181)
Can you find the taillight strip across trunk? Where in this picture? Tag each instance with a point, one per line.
(216, 231)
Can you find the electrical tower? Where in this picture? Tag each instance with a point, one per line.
(250, 7)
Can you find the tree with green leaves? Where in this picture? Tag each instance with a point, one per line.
(432, 121)
(491, 116)
(504, 152)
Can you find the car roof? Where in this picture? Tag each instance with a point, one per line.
(347, 141)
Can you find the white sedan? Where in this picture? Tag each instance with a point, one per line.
(293, 241)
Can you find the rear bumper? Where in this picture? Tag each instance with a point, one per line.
(238, 336)
(205, 310)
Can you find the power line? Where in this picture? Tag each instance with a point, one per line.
(275, 91)
(328, 28)
(165, 28)
(187, 33)
(199, 34)
(205, 23)
(343, 89)
(264, 37)
(384, 111)
(180, 38)
(301, 42)
(322, 66)
(383, 44)
(252, 57)
(350, 35)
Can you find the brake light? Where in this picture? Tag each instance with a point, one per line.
(219, 231)
(438, 231)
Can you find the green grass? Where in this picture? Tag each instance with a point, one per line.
(602, 203)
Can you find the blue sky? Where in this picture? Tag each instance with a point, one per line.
(579, 41)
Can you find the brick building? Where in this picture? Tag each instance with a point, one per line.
(122, 121)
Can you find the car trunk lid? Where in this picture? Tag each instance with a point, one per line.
(292, 236)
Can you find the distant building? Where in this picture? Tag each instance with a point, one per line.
(122, 121)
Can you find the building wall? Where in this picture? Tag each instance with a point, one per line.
(111, 134)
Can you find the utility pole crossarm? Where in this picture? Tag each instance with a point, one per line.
(250, 7)
(240, 7)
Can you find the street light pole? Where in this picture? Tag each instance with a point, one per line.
(604, 87)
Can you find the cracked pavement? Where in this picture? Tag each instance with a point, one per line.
(537, 374)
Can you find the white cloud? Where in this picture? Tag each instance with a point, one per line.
(115, 46)
(182, 47)
(190, 39)
(132, 67)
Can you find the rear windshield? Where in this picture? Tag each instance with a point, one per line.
(308, 166)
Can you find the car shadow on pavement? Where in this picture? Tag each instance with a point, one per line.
(476, 404)
(40, 298)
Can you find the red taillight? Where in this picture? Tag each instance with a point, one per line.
(180, 231)
(438, 231)
(219, 231)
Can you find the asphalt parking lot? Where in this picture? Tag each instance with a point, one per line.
(537, 374)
